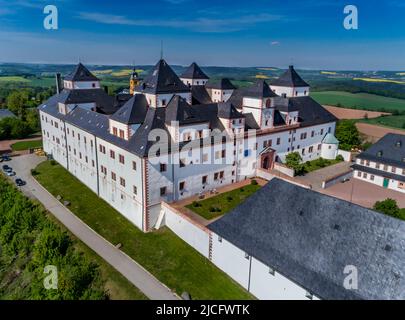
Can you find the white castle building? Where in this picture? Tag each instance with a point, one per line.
(176, 137)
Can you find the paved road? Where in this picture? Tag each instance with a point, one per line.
(129, 268)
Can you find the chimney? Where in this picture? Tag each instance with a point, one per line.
(58, 83)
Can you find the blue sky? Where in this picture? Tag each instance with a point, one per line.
(307, 33)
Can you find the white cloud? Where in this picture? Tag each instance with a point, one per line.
(275, 43)
(198, 24)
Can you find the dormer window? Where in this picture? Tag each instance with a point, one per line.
(164, 102)
(379, 154)
(398, 144)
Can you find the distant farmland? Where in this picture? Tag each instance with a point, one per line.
(359, 101)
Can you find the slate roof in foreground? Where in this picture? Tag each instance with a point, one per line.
(310, 238)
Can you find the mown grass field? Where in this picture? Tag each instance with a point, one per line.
(26, 145)
(13, 79)
(216, 206)
(359, 101)
(397, 122)
(162, 253)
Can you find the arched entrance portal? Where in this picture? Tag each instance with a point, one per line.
(267, 159)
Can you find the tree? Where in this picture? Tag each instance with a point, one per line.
(347, 134)
(390, 208)
(294, 161)
(16, 101)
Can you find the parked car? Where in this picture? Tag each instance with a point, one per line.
(19, 182)
(5, 157)
(10, 173)
(7, 168)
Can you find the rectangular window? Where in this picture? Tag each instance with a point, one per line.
(115, 131)
(78, 136)
(163, 191)
(122, 159)
(93, 163)
(278, 141)
(377, 166)
(122, 134)
(221, 174)
(113, 176)
(393, 169)
(122, 182)
(182, 185)
(135, 190)
(216, 175)
(182, 163)
(372, 178)
(358, 173)
(204, 179)
(134, 165)
(163, 167)
(112, 154)
(312, 134)
(223, 154)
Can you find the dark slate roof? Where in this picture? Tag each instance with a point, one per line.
(179, 110)
(290, 79)
(132, 112)
(81, 73)
(104, 102)
(226, 110)
(5, 113)
(311, 112)
(162, 79)
(376, 172)
(259, 90)
(237, 97)
(310, 238)
(200, 95)
(390, 150)
(284, 104)
(194, 72)
(223, 84)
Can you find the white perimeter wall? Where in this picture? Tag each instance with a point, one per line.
(195, 235)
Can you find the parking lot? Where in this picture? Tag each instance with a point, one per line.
(363, 193)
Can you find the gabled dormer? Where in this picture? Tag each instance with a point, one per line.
(194, 76)
(220, 91)
(257, 100)
(287, 109)
(232, 120)
(290, 84)
(183, 122)
(129, 117)
(161, 85)
(81, 78)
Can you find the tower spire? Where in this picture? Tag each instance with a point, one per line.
(161, 49)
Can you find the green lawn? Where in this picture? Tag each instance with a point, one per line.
(26, 145)
(216, 206)
(319, 164)
(13, 79)
(162, 253)
(397, 122)
(359, 101)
